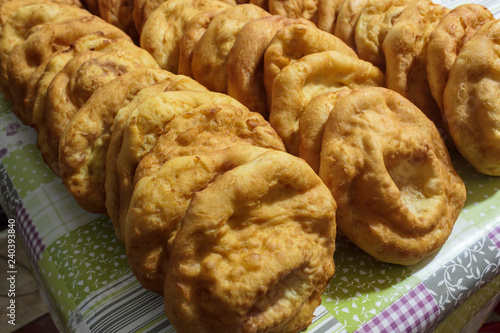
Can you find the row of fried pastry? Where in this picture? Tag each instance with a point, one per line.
(60, 86)
(130, 15)
(407, 46)
(234, 232)
(292, 72)
(193, 181)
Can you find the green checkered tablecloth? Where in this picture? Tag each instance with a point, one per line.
(88, 285)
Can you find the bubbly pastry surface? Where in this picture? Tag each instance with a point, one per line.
(210, 55)
(254, 250)
(390, 172)
(312, 75)
(165, 26)
(312, 125)
(471, 100)
(292, 43)
(446, 41)
(112, 182)
(245, 63)
(193, 31)
(209, 127)
(40, 45)
(159, 203)
(374, 22)
(84, 142)
(80, 78)
(347, 19)
(145, 125)
(328, 11)
(9, 7)
(405, 49)
(24, 22)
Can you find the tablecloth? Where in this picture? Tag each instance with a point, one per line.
(85, 278)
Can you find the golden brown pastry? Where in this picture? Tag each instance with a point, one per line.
(192, 34)
(405, 49)
(245, 62)
(84, 142)
(328, 11)
(248, 257)
(25, 21)
(374, 22)
(347, 19)
(307, 9)
(292, 43)
(141, 11)
(45, 73)
(80, 78)
(144, 8)
(388, 168)
(49, 39)
(157, 207)
(209, 62)
(112, 181)
(310, 76)
(145, 125)
(209, 127)
(119, 14)
(165, 26)
(36, 87)
(471, 102)
(9, 7)
(312, 125)
(446, 41)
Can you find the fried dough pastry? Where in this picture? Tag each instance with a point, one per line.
(471, 102)
(405, 49)
(144, 8)
(119, 14)
(292, 43)
(328, 11)
(209, 62)
(245, 62)
(145, 125)
(307, 9)
(165, 26)
(141, 11)
(310, 76)
(84, 142)
(8, 8)
(210, 127)
(446, 41)
(39, 80)
(374, 22)
(157, 207)
(112, 187)
(45, 73)
(79, 79)
(49, 39)
(347, 19)
(25, 21)
(37, 86)
(248, 256)
(312, 125)
(389, 170)
(192, 34)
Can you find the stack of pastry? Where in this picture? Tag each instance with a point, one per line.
(171, 140)
(294, 74)
(214, 214)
